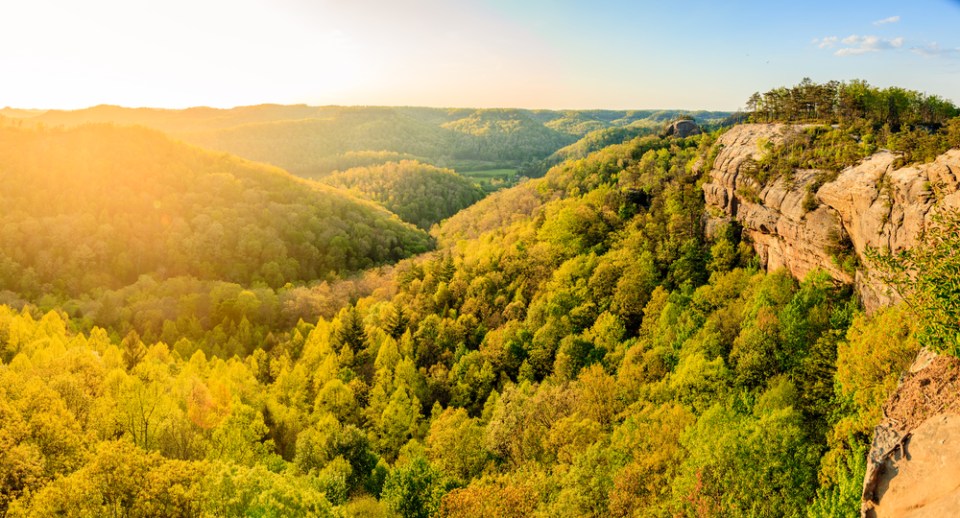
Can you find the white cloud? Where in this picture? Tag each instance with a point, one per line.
(826, 42)
(891, 19)
(856, 45)
(935, 50)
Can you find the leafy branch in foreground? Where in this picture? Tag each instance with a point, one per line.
(927, 276)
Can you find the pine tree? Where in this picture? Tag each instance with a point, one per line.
(396, 322)
(351, 331)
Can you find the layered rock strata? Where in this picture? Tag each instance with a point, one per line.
(795, 224)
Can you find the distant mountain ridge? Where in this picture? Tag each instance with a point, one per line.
(312, 141)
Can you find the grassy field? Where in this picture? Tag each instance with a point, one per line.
(492, 179)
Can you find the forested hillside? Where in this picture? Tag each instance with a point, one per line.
(576, 345)
(98, 206)
(589, 352)
(419, 193)
(313, 141)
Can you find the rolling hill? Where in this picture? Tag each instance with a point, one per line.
(600, 341)
(97, 206)
(419, 193)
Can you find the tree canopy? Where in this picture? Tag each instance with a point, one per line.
(98, 206)
(419, 193)
(576, 345)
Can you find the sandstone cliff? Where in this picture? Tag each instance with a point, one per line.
(871, 204)
(800, 225)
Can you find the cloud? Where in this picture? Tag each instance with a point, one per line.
(855, 45)
(891, 19)
(935, 50)
(826, 42)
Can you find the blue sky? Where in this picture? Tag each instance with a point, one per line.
(530, 53)
(703, 54)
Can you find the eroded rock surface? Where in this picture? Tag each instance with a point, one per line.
(682, 128)
(871, 204)
(912, 467)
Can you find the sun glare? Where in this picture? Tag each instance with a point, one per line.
(181, 53)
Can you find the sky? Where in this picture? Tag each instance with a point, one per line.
(558, 54)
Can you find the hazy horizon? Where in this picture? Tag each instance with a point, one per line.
(480, 54)
(181, 108)
(458, 258)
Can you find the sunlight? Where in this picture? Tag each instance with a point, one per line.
(433, 258)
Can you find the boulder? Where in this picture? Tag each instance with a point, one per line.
(682, 128)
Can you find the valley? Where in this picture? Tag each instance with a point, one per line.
(326, 311)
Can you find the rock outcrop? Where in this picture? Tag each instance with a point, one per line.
(681, 128)
(800, 224)
(795, 224)
(912, 467)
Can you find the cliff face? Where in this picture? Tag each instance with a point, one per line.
(911, 468)
(871, 204)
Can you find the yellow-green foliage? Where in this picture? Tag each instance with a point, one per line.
(869, 363)
(98, 206)
(926, 275)
(576, 347)
(855, 120)
(421, 194)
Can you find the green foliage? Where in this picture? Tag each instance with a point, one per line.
(419, 193)
(728, 453)
(853, 120)
(414, 490)
(836, 101)
(844, 497)
(576, 346)
(870, 359)
(823, 148)
(503, 135)
(927, 275)
(599, 129)
(313, 141)
(492, 179)
(258, 492)
(122, 480)
(98, 206)
(919, 145)
(455, 445)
